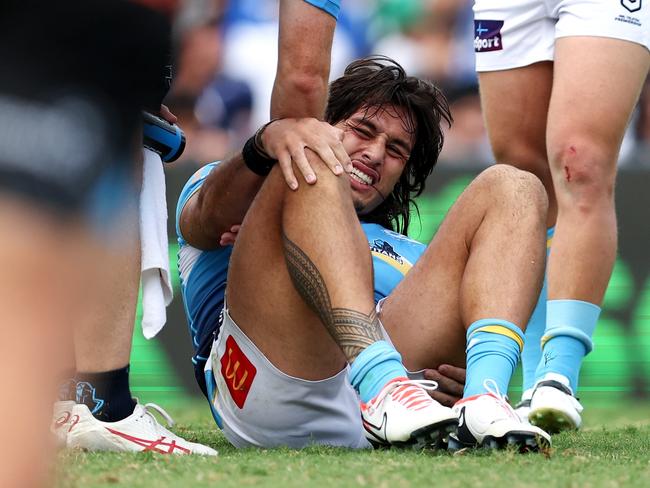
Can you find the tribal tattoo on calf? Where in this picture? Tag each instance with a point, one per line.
(353, 331)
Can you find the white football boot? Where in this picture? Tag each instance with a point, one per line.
(553, 407)
(403, 414)
(488, 420)
(61, 415)
(138, 432)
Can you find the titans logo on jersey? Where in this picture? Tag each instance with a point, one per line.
(383, 250)
(393, 255)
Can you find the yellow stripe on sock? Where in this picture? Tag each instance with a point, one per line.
(500, 329)
(545, 339)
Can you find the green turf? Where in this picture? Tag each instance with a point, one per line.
(612, 450)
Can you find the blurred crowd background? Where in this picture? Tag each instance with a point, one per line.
(227, 52)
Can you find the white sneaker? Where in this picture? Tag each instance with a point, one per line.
(61, 415)
(404, 415)
(140, 431)
(553, 406)
(488, 420)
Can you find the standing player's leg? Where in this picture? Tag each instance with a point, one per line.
(515, 105)
(99, 396)
(71, 110)
(103, 341)
(596, 84)
(47, 273)
(102, 338)
(467, 293)
(49, 180)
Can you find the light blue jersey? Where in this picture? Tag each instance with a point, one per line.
(203, 281)
(393, 255)
(203, 274)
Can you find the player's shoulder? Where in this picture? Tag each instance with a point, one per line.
(202, 173)
(196, 180)
(192, 185)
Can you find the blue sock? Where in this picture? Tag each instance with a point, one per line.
(532, 353)
(567, 339)
(493, 348)
(375, 366)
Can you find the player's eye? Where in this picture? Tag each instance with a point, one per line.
(362, 132)
(397, 152)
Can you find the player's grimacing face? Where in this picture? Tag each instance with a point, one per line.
(379, 145)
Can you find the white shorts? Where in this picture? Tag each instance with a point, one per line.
(515, 33)
(257, 405)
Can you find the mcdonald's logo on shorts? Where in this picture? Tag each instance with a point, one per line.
(237, 371)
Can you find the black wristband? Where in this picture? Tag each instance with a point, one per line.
(255, 157)
(256, 161)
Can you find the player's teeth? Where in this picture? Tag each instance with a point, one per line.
(357, 178)
(361, 177)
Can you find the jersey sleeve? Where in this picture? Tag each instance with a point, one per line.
(332, 7)
(190, 188)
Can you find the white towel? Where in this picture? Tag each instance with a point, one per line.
(157, 290)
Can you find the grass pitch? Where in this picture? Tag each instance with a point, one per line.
(613, 449)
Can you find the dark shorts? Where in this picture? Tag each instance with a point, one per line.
(75, 78)
(202, 339)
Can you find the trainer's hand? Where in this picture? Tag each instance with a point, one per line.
(287, 139)
(166, 114)
(229, 238)
(451, 381)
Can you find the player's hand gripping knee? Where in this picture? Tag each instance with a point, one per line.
(287, 140)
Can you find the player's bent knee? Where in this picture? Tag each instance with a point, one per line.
(535, 193)
(328, 186)
(325, 174)
(507, 176)
(518, 188)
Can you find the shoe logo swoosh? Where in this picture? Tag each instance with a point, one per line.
(159, 445)
(74, 420)
(62, 420)
(378, 431)
(461, 417)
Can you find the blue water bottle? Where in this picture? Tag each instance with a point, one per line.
(160, 136)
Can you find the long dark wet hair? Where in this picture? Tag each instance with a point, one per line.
(375, 82)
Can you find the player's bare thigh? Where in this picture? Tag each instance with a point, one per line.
(515, 106)
(263, 301)
(486, 260)
(597, 81)
(423, 314)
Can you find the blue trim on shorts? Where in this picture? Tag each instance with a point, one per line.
(211, 386)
